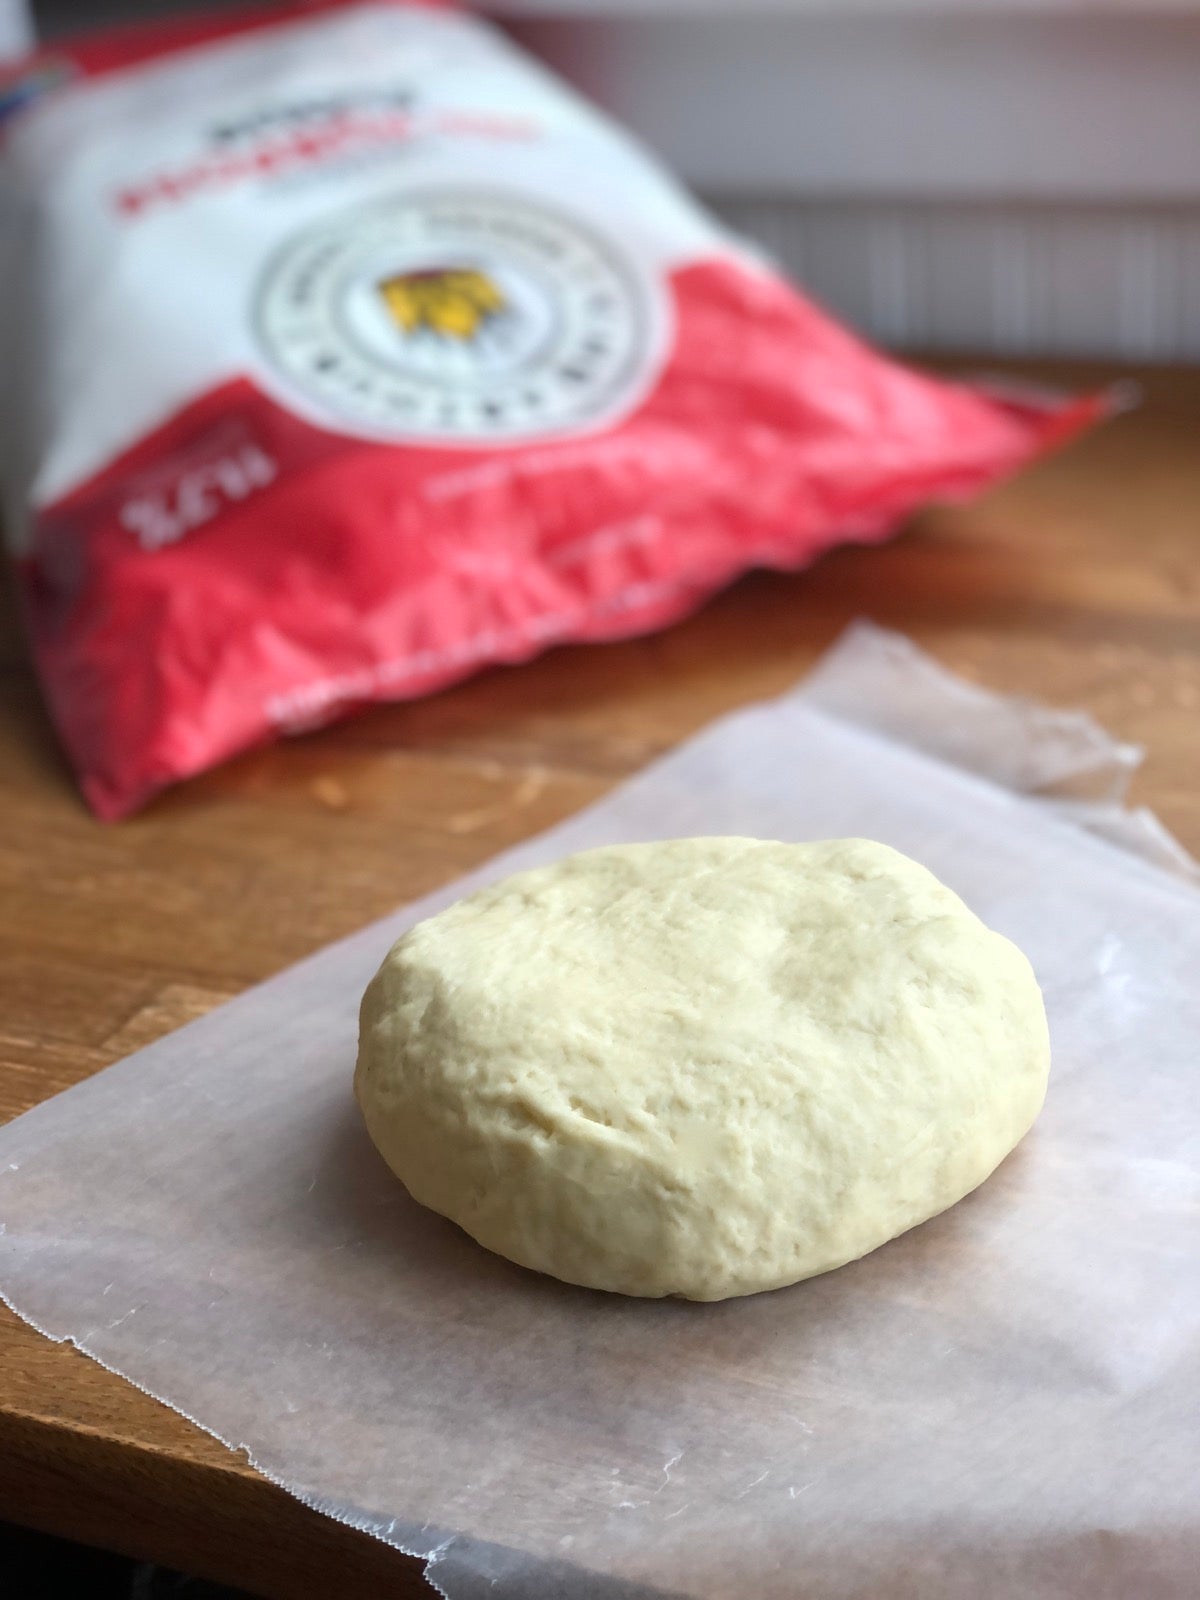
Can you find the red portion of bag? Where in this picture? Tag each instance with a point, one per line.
(242, 572)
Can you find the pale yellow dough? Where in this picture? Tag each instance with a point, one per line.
(701, 1068)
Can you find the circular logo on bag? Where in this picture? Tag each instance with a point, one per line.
(460, 318)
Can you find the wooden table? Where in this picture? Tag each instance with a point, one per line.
(1079, 583)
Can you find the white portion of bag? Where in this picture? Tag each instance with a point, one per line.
(1001, 1402)
(242, 200)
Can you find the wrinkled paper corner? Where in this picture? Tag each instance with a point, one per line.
(1002, 1401)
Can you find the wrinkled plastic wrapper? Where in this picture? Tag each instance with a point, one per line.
(1001, 1402)
(346, 352)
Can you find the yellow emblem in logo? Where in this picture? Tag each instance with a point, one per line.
(454, 302)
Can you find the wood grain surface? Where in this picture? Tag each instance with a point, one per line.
(1079, 583)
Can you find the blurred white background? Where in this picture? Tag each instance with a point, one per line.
(14, 27)
(1009, 176)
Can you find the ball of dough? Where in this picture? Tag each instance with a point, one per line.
(704, 1067)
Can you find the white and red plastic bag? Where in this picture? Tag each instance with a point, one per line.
(347, 351)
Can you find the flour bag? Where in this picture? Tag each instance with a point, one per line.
(346, 351)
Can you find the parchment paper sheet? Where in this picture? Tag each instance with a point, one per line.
(1005, 1402)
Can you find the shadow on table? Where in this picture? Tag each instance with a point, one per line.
(37, 1566)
